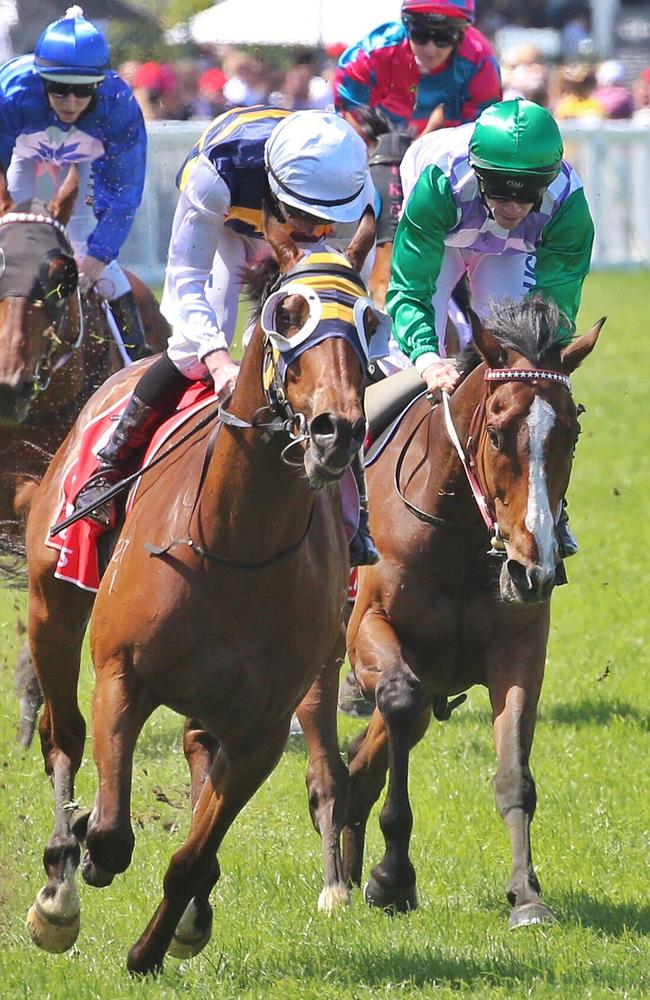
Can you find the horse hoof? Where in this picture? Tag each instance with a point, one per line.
(192, 933)
(94, 874)
(53, 922)
(391, 901)
(333, 898)
(530, 913)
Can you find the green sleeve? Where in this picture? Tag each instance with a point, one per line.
(417, 257)
(563, 258)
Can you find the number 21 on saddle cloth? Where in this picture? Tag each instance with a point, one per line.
(78, 561)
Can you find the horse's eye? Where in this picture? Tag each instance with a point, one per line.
(494, 437)
(283, 319)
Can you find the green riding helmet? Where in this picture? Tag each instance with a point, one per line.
(516, 145)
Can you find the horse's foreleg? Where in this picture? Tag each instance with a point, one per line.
(57, 622)
(30, 695)
(119, 711)
(514, 707)
(397, 725)
(327, 776)
(236, 774)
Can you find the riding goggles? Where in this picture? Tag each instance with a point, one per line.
(337, 307)
(80, 90)
(523, 189)
(422, 30)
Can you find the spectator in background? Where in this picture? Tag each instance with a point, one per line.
(245, 84)
(302, 88)
(432, 63)
(611, 91)
(577, 83)
(211, 100)
(155, 88)
(525, 74)
(187, 88)
(641, 91)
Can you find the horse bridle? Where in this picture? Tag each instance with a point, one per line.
(467, 455)
(282, 417)
(51, 300)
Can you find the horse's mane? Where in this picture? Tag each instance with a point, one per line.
(527, 326)
(257, 282)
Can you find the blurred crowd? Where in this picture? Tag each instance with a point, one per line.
(200, 88)
(195, 88)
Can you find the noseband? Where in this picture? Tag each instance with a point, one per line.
(467, 455)
(18, 280)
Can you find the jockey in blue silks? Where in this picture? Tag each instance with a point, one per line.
(64, 105)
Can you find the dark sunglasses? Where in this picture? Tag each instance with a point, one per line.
(81, 90)
(523, 196)
(442, 38)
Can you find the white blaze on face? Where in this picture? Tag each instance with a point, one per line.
(539, 517)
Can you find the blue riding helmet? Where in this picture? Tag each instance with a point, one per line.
(72, 50)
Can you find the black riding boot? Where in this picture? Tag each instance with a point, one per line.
(363, 551)
(567, 541)
(129, 323)
(154, 399)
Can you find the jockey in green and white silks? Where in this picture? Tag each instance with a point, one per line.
(495, 200)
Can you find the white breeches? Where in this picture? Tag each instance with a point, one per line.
(22, 178)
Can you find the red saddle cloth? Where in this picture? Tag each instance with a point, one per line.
(78, 560)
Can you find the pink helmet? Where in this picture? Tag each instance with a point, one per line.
(457, 10)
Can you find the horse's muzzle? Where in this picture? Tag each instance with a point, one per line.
(522, 584)
(333, 443)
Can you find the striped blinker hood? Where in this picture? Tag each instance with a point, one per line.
(338, 307)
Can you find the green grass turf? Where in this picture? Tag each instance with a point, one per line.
(590, 837)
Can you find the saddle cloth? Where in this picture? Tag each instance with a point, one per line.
(78, 558)
(78, 561)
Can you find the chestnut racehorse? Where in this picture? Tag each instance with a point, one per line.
(439, 613)
(55, 351)
(244, 560)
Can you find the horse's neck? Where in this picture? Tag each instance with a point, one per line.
(448, 479)
(252, 504)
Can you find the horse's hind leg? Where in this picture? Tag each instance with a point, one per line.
(29, 694)
(237, 773)
(404, 720)
(327, 776)
(514, 695)
(57, 619)
(119, 712)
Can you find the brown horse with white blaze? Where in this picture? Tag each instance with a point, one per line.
(439, 613)
(244, 559)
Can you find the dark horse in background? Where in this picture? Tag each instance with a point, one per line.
(55, 351)
(244, 560)
(439, 613)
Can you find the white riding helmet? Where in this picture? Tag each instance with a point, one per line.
(318, 164)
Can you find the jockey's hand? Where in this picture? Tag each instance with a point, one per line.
(90, 271)
(441, 376)
(436, 120)
(223, 370)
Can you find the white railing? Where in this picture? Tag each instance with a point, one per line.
(613, 160)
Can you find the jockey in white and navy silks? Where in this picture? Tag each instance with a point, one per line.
(311, 169)
(64, 105)
(496, 201)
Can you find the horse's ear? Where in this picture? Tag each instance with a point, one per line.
(62, 203)
(490, 349)
(577, 351)
(363, 240)
(284, 249)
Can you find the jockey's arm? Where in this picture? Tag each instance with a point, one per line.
(417, 257)
(564, 257)
(196, 229)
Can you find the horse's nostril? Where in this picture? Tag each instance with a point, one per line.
(323, 429)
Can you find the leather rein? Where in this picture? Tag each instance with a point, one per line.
(467, 455)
